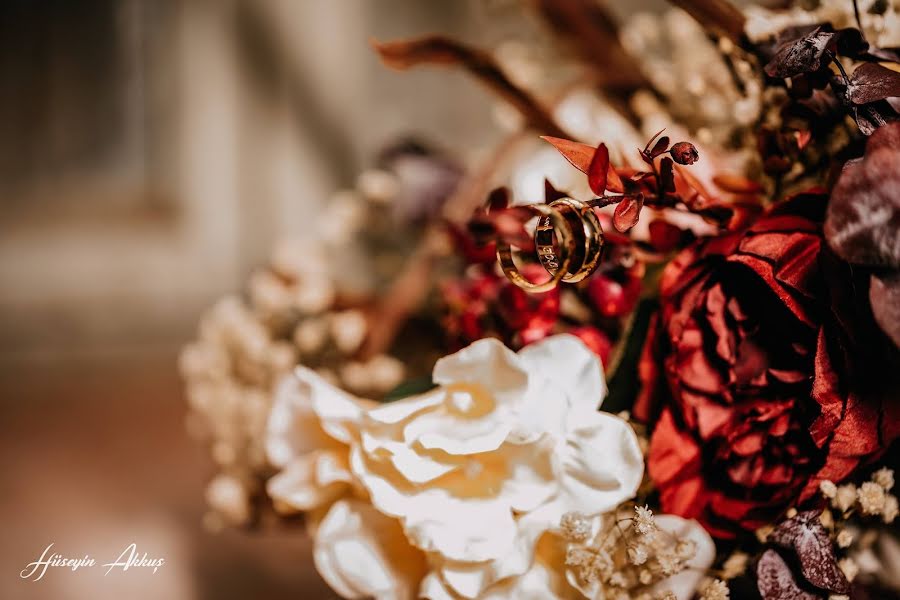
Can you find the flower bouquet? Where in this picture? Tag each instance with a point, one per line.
(457, 385)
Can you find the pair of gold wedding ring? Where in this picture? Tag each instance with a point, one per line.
(568, 241)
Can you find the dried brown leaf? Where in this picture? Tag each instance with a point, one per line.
(775, 580)
(884, 294)
(803, 55)
(871, 82)
(806, 535)
(862, 224)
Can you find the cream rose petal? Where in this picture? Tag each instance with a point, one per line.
(415, 468)
(466, 529)
(600, 463)
(298, 485)
(531, 480)
(455, 435)
(362, 553)
(293, 428)
(340, 413)
(684, 585)
(469, 580)
(486, 362)
(433, 588)
(570, 366)
(401, 410)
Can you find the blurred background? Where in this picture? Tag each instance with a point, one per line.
(150, 151)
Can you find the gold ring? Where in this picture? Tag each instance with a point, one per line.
(587, 254)
(566, 245)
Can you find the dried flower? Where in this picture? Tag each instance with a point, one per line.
(669, 563)
(684, 153)
(621, 560)
(889, 512)
(643, 520)
(871, 498)
(763, 533)
(715, 590)
(579, 556)
(637, 554)
(844, 539)
(575, 526)
(849, 567)
(884, 477)
(828, 489)
(845, 497)
(735, 565)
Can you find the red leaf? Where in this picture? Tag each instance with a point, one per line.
(667, 175)
(664, 236)
(736, 184)
(871, 82)
(662, 144)
(551, 193)
(646, 149)
(803, 138)
(509, 225)
(579, 155)
(742, 214)
(627, 212)
(497, 199)
(598, 170)
(614, 182)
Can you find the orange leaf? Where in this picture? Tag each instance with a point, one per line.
(736, 184)
(579, 155)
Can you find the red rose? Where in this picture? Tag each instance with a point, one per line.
(748, 363)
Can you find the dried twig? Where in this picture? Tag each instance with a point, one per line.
(438, 50)
(594, 36)
(719, 17)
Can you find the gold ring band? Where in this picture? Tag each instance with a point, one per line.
(585, 258)
(556, 222)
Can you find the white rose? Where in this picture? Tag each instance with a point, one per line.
(360, 552)
(311, 427)
(477, 469)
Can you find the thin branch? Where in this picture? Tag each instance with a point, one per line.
(438, 50)
(593, 34)
(717, 16)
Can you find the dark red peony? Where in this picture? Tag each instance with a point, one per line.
(753, 373)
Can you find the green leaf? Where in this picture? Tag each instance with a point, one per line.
(410, 387)
(624, 384)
